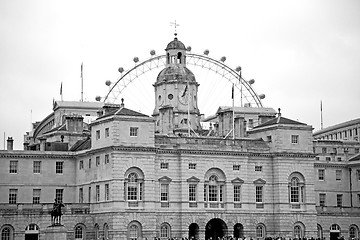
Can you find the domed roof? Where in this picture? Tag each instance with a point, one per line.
(175, 72)
(175, 44)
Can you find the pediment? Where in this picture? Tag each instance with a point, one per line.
(237, 181)
(165, 179)
(259, 181)
(193, 179)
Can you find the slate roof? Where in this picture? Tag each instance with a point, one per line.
(280, 120)
(124, 112)
(81, 145)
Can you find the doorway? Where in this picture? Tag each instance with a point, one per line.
(215, 229)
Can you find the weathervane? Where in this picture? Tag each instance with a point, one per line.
(175, 25)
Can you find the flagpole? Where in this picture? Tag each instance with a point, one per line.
(61, 92)
(188, 106)
(233, 112)
(82, 83)
(321, 115)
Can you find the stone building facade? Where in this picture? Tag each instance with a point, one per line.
(132, 176)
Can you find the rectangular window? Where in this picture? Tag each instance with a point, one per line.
(13, 196)
(236, 167)
(107, 192)
(213, 197)
(323, 150)
(90, 163)
(358, 174)
(164, 192)
(81, 195)
(356, 150)
(294, 139)
(81, 164)
(107, 158)
(59, 167)
(322, 199)
(97, 192)
(327, 159)
(36, 166)
(321, 174)
(258, 168)
(359, 199)
(192, 165)
(268, 138)
(251, 123)
(89, 195)
(13, 167)
(59, 194)
(134, 131)
(97, 160)
(339, 159)
(338, 174)
(237, 190)
(132, 191)
(259, 194)
(339, 200)
(192, 192)
(164, 165)
(97, 134)
(107, 132)
(36, 196)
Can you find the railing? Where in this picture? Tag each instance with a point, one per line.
(193, 141)
(44, 208)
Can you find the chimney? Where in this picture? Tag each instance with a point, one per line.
(42, 144)
(10, 143)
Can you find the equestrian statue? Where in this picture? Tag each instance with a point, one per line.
(56, 213)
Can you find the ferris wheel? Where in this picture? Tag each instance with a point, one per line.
(216, 80)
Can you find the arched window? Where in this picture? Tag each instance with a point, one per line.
(260, 231)
(319, 231)
(214, 188)
(134, 184)
(298, 230)
(179, 57)
(134, 230)
(97, 235)
(165, 231)
(79, 232)
(296, 189)
(7, 233)
(106, 231)
(353, 232)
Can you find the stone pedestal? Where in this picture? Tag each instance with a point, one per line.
(56, 232)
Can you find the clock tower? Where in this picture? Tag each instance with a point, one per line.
(176, 109)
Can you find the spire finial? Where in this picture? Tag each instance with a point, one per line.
(175, 25)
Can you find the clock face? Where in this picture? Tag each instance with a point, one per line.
(184, 95)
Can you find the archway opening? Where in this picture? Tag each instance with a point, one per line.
(215, 229)
(334, 232)
(32, 232)
(238, 231)
(193, 231)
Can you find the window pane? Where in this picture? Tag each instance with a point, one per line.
(192, 192)
(164, 192)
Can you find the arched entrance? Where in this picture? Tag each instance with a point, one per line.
(334, 232)
(32, 232)
(238, 231)
(193, 231)
(215, 229)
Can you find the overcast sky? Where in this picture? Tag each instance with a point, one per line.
(299, 52)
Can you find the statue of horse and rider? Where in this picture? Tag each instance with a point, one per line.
(56, 212)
